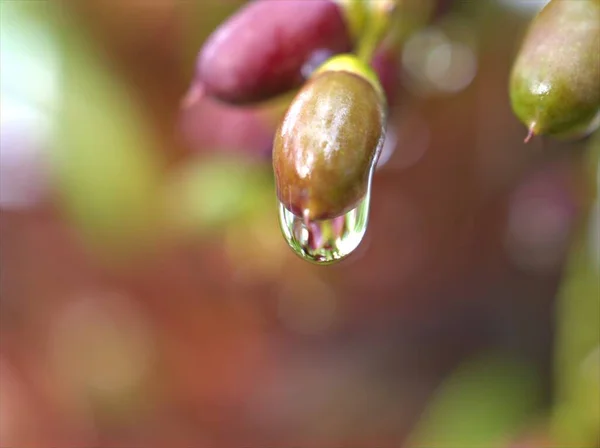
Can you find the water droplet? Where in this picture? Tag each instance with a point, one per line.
(327, 241)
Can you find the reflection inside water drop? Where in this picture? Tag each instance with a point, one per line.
(326, 241)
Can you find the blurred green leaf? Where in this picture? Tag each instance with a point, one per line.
(483, 403)
(105, 156)
(214, 192)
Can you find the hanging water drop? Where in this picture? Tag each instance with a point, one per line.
(325, 241)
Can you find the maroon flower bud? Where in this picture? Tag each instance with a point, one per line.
(259, 52)
(209, 125)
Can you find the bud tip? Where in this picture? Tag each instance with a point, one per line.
(530, 134)
(192, 96)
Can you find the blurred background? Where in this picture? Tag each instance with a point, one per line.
(148, 298)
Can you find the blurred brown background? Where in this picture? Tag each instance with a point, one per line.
(148, 299)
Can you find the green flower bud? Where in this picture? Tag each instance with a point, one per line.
(328, 142)
(555, 82)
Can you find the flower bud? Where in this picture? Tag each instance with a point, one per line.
(259, 52)
(555, 82)
(328, 142)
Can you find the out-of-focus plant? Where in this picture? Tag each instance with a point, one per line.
(29, 93)
(212, 193)
(484, 403)
(576, 417)
(104, 157)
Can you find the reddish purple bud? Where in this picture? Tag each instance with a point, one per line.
(259, 52)
(209, 125)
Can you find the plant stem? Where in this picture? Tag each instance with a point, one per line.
(379, 13)
(576, 414)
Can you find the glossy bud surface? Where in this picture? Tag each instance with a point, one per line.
(555, 82)
(327, 144)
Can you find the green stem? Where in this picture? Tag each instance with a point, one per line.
(379, 13)
(576, 414)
